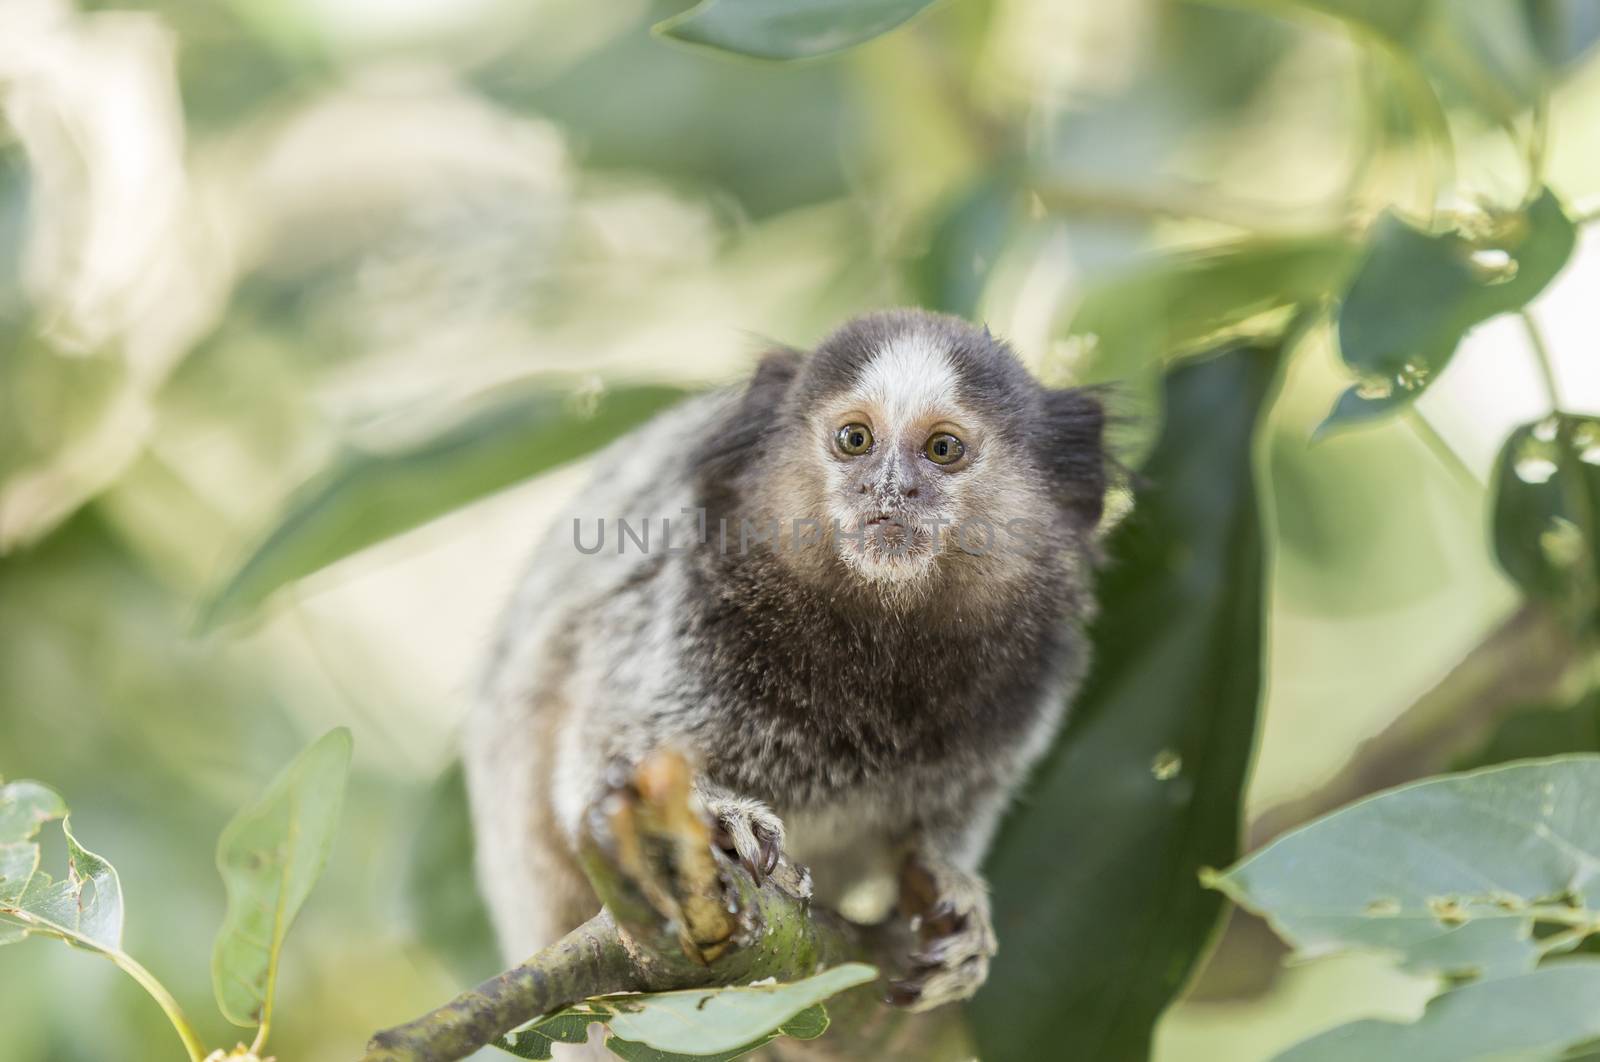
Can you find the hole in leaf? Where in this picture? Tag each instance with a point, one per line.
(1493, 265)
(1543, 930)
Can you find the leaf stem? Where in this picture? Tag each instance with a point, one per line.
(1538, 145)
(1541, 356)
(128, 965)
(1432, 123)
(168, 1004)
(1442, 450)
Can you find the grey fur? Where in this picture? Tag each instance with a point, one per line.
(859, 706)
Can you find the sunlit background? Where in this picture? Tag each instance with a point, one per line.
(241, 237)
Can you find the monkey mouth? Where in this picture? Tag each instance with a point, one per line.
(888, 539)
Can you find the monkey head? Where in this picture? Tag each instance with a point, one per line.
(912, 448)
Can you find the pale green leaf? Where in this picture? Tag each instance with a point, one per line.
(788, 29)
(715, 1023)
(84, 908)
(25, 807)
(1451, 875)
(1537, 1015)
(705, 1022)
(269, 856)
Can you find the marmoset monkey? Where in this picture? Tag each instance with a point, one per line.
(853, 592)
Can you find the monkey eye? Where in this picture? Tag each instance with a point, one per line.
(854, 439)
(944, 448)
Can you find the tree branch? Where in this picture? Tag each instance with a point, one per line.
(677, 915)
(1523, 661)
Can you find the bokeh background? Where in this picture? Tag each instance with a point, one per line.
(240, 238)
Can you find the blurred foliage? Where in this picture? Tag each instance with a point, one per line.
(282, 281)
(787, 29)
(366, 497)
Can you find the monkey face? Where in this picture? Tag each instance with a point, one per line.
(898, 453)
(922, 448)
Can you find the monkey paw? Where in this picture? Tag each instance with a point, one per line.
(949, 910)
(750, 833)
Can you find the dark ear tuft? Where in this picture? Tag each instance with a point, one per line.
(1074, 455)
(769, 385)
(731, 447)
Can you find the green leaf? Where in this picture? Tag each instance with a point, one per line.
(787, 29)
(269, 856)
(1547, 510)
(1530, 1016)
(367, 497)
(84, 908)
(1130, 327)
(1143, 787)
(535, 1039)
(1417, 293)
(721, 1023)
(807, 1025)
(1451, 875)
(25, 807)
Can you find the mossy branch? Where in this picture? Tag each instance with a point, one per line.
(677, 915)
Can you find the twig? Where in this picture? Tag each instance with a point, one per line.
(677, 915)
(1541, 357)
(589, 961)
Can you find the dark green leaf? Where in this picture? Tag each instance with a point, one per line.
(536, 1040)
(269, 857)
(1451, 874)
(967, 241)
(788, 29)
(367, 497)
(1417, 293)
(1531, 1016)
(1143, 788)
(1547, 510)
(1541, 730)
(442, 896)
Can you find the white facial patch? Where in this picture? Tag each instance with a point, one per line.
(909, 379)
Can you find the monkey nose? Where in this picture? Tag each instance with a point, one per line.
(890, 491)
